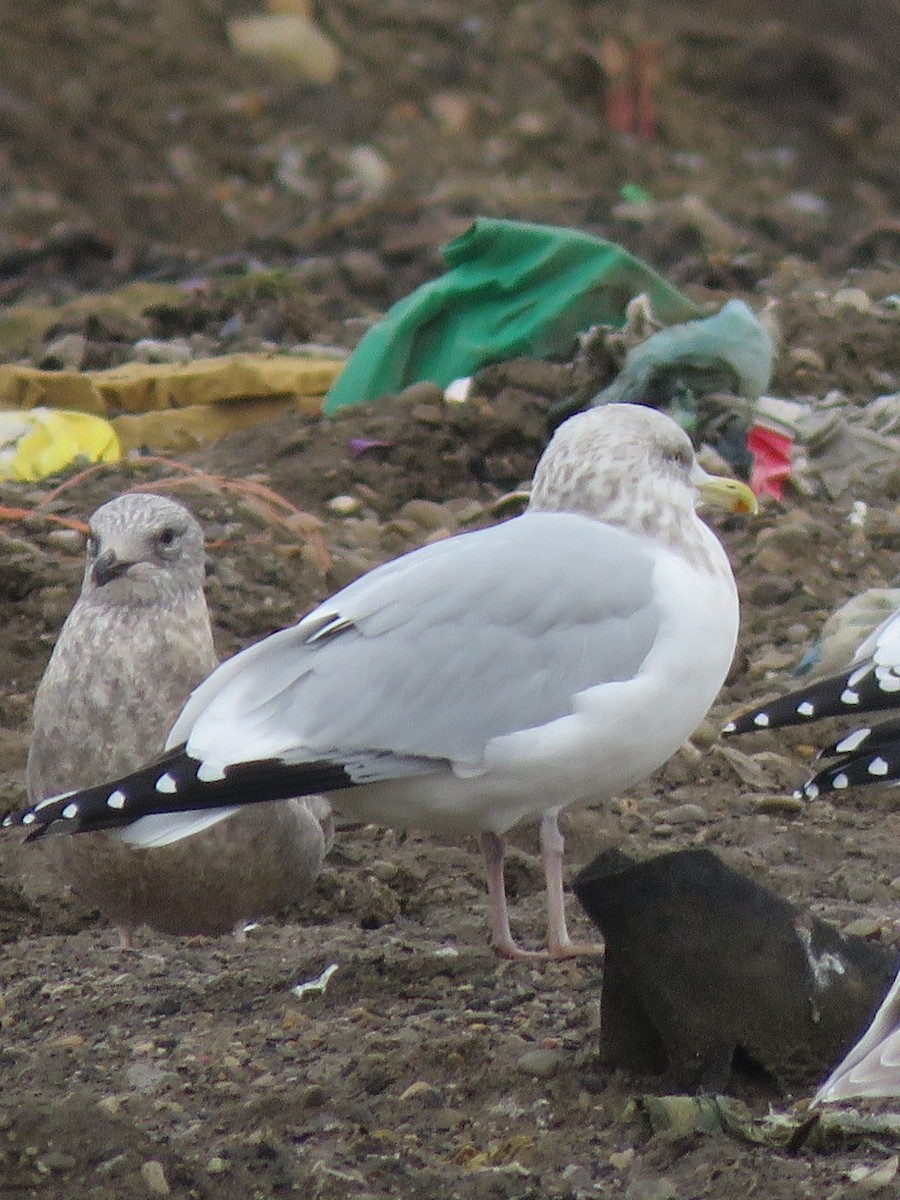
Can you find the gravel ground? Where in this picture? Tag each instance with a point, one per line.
(425, 1067)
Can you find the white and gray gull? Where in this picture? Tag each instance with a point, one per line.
(135, 644)
(491, 678)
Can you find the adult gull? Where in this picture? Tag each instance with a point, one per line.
(135, 644)
(494, 677)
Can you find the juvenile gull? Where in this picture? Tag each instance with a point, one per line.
(487, 679)
(134, 645)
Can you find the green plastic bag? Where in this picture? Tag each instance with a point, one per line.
(511, 289)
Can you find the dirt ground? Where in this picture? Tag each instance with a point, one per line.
(133, 144)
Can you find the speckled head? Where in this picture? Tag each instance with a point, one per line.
(141, 547)
(617, 462)
(632, 467)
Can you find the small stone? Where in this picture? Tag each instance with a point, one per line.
(531, 124)
(806, 359)
(852, 297)
(862, 892)
(807, 204)
(452, 110)
(216, 1166)
(364, 532)
(705, 735)
(313, 1096)
(56, 1160)
(64, 353)
(145, 1077)
(427, 513)
(772, 590)
(652, 1189)
(70, 541)
(364, 269)
(867, 1180)
(154, 1176)
(344, 506)
(431, 415)
(541, 1063)
(385, 871)
(863, 927)
(109, 1165)
(174, 352)
(423, 393)
(620, 1160)
(683, 814)
(424, 1093)
(68, 1041)
(776, 802)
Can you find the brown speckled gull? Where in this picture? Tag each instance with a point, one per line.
(136, 643)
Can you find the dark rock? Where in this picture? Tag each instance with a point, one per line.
(703, 963)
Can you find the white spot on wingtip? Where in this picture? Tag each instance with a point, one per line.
(70, 811)
(840, 781)
(806, 709)
(852, 741)
(116, 799)
(761, 719)
(210, 772)
(167, 784)
(848, 696)
(29, 818)
(811, 791)
(729, 728)
(889, 683)
(877, 766)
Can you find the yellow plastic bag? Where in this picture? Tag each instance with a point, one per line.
(44, 441)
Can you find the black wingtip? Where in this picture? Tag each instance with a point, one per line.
(874, 761)
(857, 691)
(172, 784)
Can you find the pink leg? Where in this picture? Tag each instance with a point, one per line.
(559, 944)
(494, 850)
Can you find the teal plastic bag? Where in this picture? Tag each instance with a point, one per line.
(729, 351)
(512, 289)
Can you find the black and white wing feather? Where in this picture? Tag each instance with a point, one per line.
(415, 668)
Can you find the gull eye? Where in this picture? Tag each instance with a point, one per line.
(679, 456)
(167, 537)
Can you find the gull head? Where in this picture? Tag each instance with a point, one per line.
(142, 548)
(632, 467)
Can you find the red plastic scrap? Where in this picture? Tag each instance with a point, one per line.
(770, 452)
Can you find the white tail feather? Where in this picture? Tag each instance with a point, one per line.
(163, 829)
